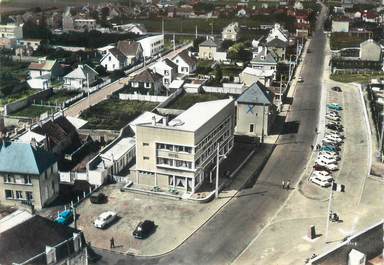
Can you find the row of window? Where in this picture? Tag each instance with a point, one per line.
(212, 135)
(19, 180)
(18, 195)
(174, 148)
(174, 163)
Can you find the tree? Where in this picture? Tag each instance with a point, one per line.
(196, 42)
(218, 74)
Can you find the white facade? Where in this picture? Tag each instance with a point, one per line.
(183, 67)
(111, 62)
(180, 154)
(278, 32)
(152, 45)
(166, 71)
(340, 26)
(231, 32)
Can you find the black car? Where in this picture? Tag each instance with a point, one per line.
(144, 229)
(336, 88)
(334, 127)
(98, 198)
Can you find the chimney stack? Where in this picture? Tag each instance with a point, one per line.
(165, 121)
(154, 120)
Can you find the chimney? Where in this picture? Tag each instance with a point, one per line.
(34, 143)
(153, 120)
(165, 121)
(265, 51)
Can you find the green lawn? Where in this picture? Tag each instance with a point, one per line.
(32, 111)
(17, 96)
(114, 114)
(341, 40)
(358, 78)
(187, 100)
(61, 96)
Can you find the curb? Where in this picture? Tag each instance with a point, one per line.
(206, 221)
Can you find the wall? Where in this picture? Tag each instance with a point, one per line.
(223, 90)
(369, 242)
(108, 135)
(15, 106)
(170, 98)
(140, 97)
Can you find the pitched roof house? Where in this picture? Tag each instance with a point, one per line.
(148, 81)
(113, 60)
(32, 179)
(48, 69)
(167, 69)
(132, 50)
(80, 78)
(186, 64)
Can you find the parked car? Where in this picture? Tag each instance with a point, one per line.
(328, 147)
(334, 127)
(65, 217)
(327, 141)
(322, 173)
(318, 167)
(333, 138)
(335, 133)
(329, 164)
(105, 219)
(333, 113)
(334, 106)
(329, 154)
(144, 229)
(98, 198)
(300, 79)
(326, 160)
(337, 123)
(336, 88)
(332, 117)
(319, 181)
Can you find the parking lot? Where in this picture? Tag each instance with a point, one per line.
(174, 220)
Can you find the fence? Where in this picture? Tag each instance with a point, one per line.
(19, 104)
(26, 59)
(354, 71)
(141, 97)
(223, 90)
(172, 97)
(70, 177)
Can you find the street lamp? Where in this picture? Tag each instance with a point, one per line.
(218, 156)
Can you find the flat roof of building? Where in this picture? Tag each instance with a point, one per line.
(199, 114)
(117, 150)
(13, 219)
(29, 135)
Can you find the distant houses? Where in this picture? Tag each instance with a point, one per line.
(231, 32)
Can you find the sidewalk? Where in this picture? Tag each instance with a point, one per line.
(284, 240)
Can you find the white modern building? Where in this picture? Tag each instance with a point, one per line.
(152, 45)
(111, 160)
(181, 154)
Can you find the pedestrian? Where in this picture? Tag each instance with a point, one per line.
(287, 186)
(112, 241)
(316, 130)
(283, 184)
(312, 146)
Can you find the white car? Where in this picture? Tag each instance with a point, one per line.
(329, 155)
(335, 133)
(328, 141)
(319, 181)
(300, 79)
(332, 118)
(333, 113)
(328, 164)
(105, 218)
(322, 174)
(333, 138)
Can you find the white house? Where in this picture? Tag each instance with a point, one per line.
(132, 51)
(167, 69)
(278, 32)
(251, 75)
(186, 64)
(152, 45)
(263, 59)
(113, 60)
(80, 78)
(231, 32)
(136, 28)
(48, 69)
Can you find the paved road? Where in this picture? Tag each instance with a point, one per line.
(100, 95)
(226, 235)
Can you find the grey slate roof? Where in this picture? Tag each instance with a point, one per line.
(127, 47)
(187, 59)
(277, 43)
(118, 54)
(263, 59)
(146, 76)
(170, 63)
(209, 43)
(257, 93)
(29, 239)
(22, 158)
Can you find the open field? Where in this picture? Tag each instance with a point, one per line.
(359, 78)
(114, 114)
(187, 100)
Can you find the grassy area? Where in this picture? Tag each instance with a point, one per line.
(187, 100)
(341, 40)
(358, 78)
(32, 111)
(17, 96)
(60, 96)
(113, 114)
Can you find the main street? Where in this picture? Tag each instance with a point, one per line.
(230, 231)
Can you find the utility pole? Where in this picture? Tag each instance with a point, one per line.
(262, 128)
(381, 139)
(89, 100)
(217, 171)
(329, 211)
(280, 92)
(195, 31)
(162, 26)
(74, 215)
(174, 42)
